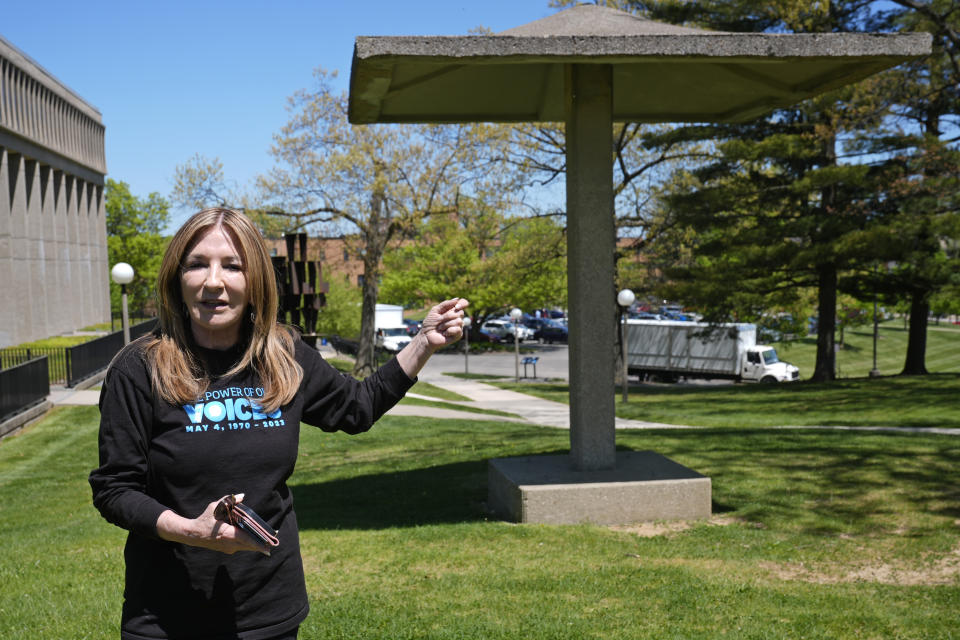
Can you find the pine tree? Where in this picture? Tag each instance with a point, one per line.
(783, 206)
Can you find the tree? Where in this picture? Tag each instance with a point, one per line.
(643, 156)
(914, 237)
(770, 217)
(497, 262)
(794, 207)
(135, 235)
(341, 313)
(833, 224)
(199, 182)
(918, 210)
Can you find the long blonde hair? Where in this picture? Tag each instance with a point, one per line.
(176, 374)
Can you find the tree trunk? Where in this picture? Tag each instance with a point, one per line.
(916, 361)
(376, 240)
(826, 367)
(366, 362)
(915, 364)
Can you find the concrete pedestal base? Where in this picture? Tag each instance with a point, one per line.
(644, 486)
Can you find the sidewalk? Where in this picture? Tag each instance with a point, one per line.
(62, 395)
(528, 408)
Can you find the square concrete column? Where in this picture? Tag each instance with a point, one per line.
(591, 242)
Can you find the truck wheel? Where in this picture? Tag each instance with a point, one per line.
(768, 380)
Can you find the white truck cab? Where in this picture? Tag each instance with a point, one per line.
(393, 338)
(391, 332)
(761, 364)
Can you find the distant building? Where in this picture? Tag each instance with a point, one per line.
(54, 275)
(337, 255)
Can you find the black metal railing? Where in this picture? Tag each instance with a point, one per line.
(84, 360)
(135, 316)
(23, 385)
(56, 360)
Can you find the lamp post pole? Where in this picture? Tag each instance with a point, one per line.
(126, 316)
(515, 315)
(624, 299)
(122, 274)
(875, 373)
(466, 344)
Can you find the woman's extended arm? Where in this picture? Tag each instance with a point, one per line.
(337, 402)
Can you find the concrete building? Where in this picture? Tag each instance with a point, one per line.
(53, 234)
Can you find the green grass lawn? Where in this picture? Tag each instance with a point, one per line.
(432, 390)
(855, 359)
(900, 401)
(452, 406)
(816, 534)
(56, 342)
(116, 325)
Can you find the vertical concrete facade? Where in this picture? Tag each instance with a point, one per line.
(54, 275)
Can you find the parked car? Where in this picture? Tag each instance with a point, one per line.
(412, 326)
(480, 335)
(535, 324)
(645, 315)
(553, 331)
(505, 330)
(525, 333)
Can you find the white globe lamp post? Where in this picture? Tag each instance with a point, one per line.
(624, 299)
(122, 274)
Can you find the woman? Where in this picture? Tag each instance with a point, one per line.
(211, 405)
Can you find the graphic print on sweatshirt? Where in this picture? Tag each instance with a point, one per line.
(230, 409)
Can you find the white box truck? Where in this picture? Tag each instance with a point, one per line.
(670, 350)
(391, 332)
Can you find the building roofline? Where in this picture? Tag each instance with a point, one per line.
(42, 75)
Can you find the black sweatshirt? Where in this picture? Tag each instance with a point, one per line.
(156, 456)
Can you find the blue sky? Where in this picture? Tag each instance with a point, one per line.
(179, 77)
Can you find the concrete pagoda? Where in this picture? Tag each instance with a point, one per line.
(590, 66)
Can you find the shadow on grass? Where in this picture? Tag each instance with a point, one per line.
(822, 482)
(851, 348)
(443, 494)
(817, 482)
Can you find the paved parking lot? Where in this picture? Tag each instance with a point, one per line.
(552, 362)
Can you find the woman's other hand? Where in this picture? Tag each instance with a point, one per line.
(206, 531)
(444, 322)
(442, 326)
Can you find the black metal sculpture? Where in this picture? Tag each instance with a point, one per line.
(301, 287)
